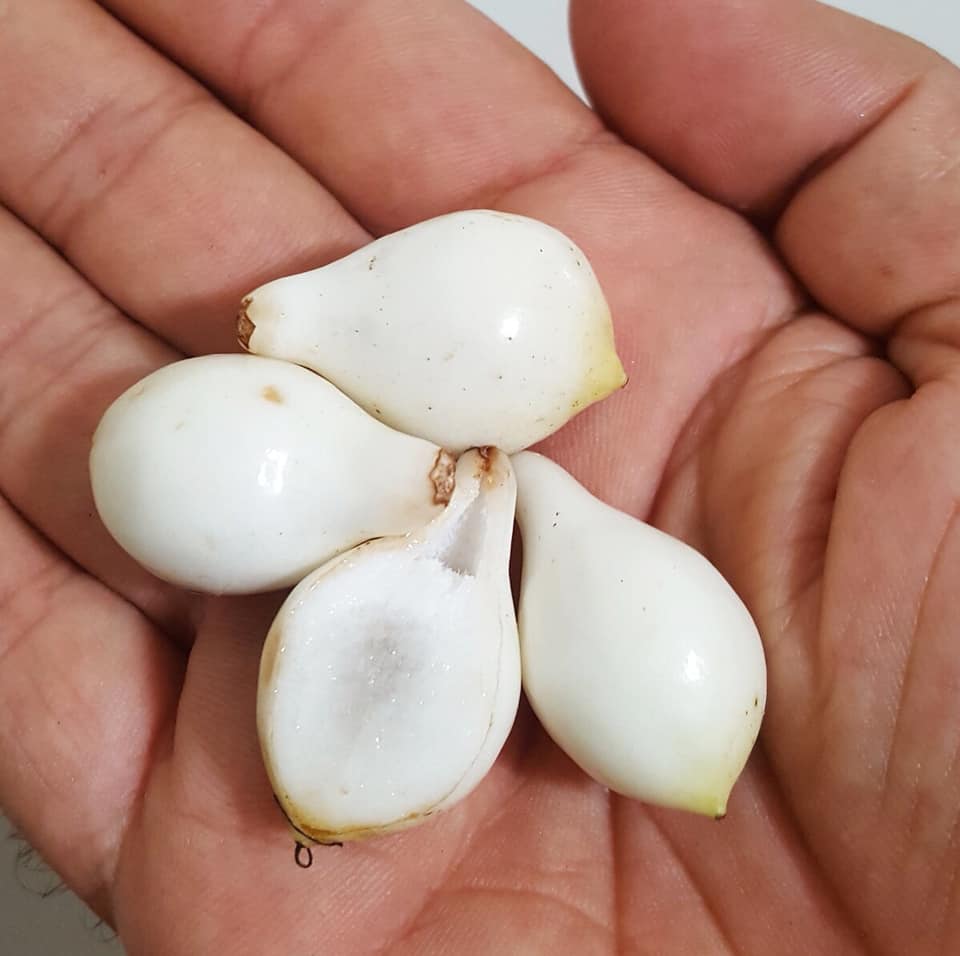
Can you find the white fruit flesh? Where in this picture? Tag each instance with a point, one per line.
(236, 474)
(391, 676)
(475, 328)
(639, 659)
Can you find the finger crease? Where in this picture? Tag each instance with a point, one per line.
(825, 160)
(251, 97)
(495, 196)
(709, 908)
(916, 648)
(104, 149)
(24, 607)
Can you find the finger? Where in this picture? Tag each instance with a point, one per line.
(876, 234)
(87, 688)
(740, 99)
(65, 354)
(404, 110)
(849, 126)
(167, 202)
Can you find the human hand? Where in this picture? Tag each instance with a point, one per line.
(813, 456)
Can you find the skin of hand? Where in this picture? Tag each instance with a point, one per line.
(770, 193)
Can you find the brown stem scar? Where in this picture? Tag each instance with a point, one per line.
(443, 476)
(245, 326)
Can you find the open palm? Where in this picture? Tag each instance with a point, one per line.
(814, 458)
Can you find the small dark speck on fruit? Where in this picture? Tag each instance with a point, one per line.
(429, 408)
(376, 411)
(756, 701)
(373, 259)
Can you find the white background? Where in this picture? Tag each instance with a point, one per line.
(60, 926)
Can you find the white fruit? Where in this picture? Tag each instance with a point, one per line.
(390, 677)
(638, 658)
(236, 474)
(475, 328)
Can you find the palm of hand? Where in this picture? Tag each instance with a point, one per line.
(770, 436)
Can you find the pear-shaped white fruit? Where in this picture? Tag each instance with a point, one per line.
(390, 677)
(638, 658)
(237, 474)
(475, 328)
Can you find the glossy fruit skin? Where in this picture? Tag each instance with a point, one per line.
(638, 657)
(472, 329)
(237, 474)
